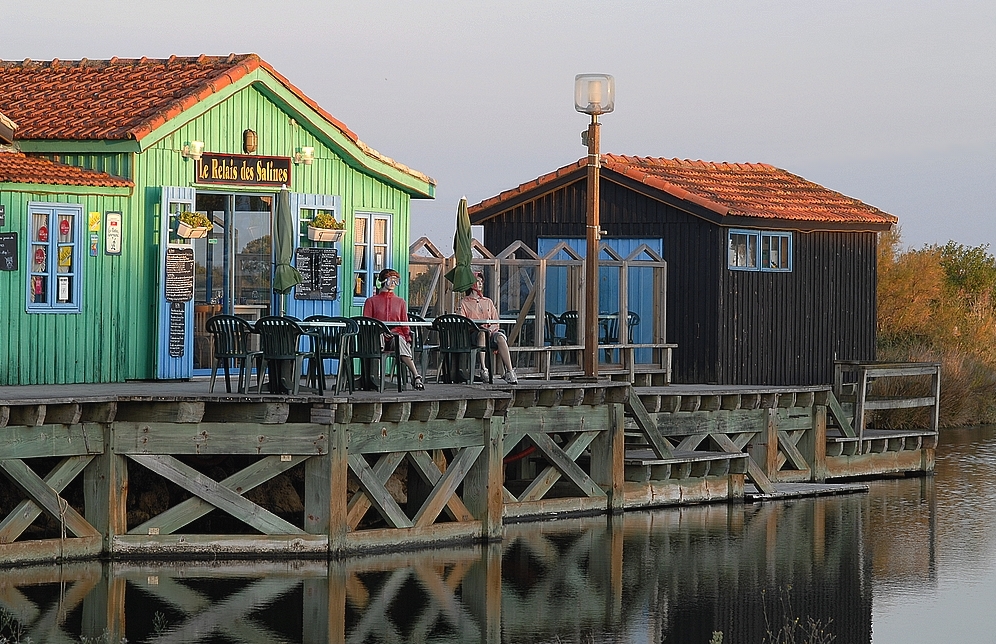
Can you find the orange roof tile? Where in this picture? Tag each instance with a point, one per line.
(729, 189)
(16, 167)
(128, 98)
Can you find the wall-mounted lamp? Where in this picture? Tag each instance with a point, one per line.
(249, 141)
(305, 155)
(192, 150)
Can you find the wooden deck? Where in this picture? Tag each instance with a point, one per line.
(139, 469)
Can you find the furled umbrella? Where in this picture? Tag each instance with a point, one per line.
(285, 276)
(462, 277)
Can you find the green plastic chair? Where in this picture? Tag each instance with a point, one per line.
(370, 349)
(458, 336)
(333, 343)
(232, 341)
(280, 340)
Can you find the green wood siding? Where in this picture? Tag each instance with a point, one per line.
(115, 337)
(66, 347)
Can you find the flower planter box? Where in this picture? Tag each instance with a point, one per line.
(324, 234)
(187, 231)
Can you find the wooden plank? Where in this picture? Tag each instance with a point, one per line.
(213, 546)
(216, 494)
(906, 370)
(377, 493)
(252, 439)
(161, 412)
(241, 482)
(27, 510)
(360, 502)
(707, 422)
(425, 410)
(649, 428)
(41, 441)
(843, 420)
(446, 487)
(338, 480)
(4, 415)
(452, 409)
(480, 408)
(755, 473)
(266, 413)
(792, 452)
(414, 435)
(899, 403)
(431, 474)
(102, 412)
(557, 419)
(26, 415)
(25, 479)
(63, 414)
(563, 461)
(397, 412)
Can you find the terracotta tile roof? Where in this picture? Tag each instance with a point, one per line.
(128, 98)
(16, 167)
(729, 189)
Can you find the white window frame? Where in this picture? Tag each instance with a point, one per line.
(754, 251)
(369, 267)
(52, 247)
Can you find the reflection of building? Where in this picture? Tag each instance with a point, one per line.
(770, 277)
(95, 187)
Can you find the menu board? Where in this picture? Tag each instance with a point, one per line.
(179, 274)
(8, 251)
(319, 268)
(177, 329)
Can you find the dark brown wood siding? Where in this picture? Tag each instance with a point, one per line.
(731, 327)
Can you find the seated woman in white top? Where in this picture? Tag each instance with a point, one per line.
(477, 307)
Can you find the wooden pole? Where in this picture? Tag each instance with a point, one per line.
(591, 258)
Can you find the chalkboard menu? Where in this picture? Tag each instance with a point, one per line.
(319, 268)
(179, 274)
(177, 328)
(8, 251)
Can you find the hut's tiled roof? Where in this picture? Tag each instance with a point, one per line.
(728, 189)
(128, 98)
(16, 167)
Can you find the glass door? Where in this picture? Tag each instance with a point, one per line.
(232, 264)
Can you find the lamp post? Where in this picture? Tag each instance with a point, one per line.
(594, 94)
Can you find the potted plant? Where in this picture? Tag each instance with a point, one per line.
(193, 225)
(325, 228)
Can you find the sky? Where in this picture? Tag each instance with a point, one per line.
(890, 102)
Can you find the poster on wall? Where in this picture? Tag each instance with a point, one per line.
(8, 251)
(112, 234)
(177, 328)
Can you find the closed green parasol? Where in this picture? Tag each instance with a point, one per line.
(462, 277)
(285, 276)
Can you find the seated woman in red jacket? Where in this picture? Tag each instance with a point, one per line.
(388, 307)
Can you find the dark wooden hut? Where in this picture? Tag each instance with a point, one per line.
(770, 277)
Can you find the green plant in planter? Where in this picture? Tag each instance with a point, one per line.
(195, 219)
(325, 220)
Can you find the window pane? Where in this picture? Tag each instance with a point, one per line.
(65, 259)
(66, 229)
(380, 257)
(751, 251)
(39, 258)
(360, 230)
(39, 224)
(360, 285)
(380, 231)
(785, 253)
(65, 289)
(39, 288)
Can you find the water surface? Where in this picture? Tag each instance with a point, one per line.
(910, 561)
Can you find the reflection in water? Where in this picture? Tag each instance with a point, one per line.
(887, 561)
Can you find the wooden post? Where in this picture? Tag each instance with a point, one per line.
(484, 482)
(591, 258)
(338, 473)
(608, 452)
(105, 492)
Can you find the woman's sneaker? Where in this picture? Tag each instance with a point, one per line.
(510, 378)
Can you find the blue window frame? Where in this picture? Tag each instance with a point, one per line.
(54, 258)
(371, 251)
(753, 250)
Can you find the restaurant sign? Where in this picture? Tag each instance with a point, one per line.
(243, 170)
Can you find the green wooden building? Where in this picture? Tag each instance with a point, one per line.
(109, 284)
